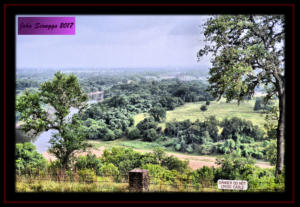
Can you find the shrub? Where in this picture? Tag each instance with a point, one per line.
(147, 123)
(118, 133)
(124, 159)
(55, 168)
(271, 152)
(160, 175)
(245, 139)
(149, 158)
(189, 148)
(203, 108)
(134, 133)
(158, 113)
(28, 160)
(173, 163)
(109, 170)
(235, 127)
(150, 135)
(229, 146)
(178, 147)
(89, 162)
(109, 135)
(205, 149)
(87, 175)
(204, 175)
(232, 167)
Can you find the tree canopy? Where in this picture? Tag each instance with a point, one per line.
(49, 107)
(248, 52)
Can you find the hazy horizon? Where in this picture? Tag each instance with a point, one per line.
(117, 41)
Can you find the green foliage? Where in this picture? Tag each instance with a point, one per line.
(55, 168)
(106, 122)
(124, 159)
(61, 93)
(149, 130)
(117, 101)
(229, 146)
(28, 160)
(87, 175)
(66, 142)
(158, 113)
(134, 133)
(205, 149)
(248, 51)
(109, 170)
(234, 127)
(150, 135)
(95, 129)
(89, 162)
(271, 152)
(204, 176)
(234, 44)
(170, 102)
(109, 135)
(233, 167)
(271, 122)
(173, 163)
(161, 175)
(192, 135)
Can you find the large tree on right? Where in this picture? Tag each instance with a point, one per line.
(247, 53)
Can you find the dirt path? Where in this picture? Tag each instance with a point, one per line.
(195, 161)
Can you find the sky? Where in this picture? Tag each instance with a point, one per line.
(114, 41)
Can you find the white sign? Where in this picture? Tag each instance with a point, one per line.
(233, 184)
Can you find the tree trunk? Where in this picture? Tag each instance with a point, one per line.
(280, 135)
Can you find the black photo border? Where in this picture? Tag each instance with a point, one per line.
(9, 66)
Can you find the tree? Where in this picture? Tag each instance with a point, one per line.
(134, 133)
(158, 113)
(60, 94)
(271, 121)
(203, 108)
(248, 51)
(258, 104)
(28, 160)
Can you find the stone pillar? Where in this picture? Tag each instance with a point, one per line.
(138, 180)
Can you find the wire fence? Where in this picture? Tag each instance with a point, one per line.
(156, 184)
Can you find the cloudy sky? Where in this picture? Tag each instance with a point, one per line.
(117, 41)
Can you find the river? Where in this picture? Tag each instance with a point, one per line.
(41, 141)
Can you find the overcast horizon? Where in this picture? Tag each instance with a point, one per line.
(117, 41)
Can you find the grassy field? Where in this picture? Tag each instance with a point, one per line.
(219, 109)
(192, 112)
(103, 184)
(134, 144)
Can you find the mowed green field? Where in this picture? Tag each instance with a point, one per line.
(219, 109)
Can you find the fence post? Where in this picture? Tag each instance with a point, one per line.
(138, 180)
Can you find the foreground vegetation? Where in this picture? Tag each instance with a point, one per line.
(109, 173)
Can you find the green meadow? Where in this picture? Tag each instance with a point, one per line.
(219, 109)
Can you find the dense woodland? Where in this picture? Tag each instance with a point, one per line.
(133, 94)
(247, 56)
(237, 140)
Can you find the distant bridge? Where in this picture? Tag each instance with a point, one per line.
(96, 96)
